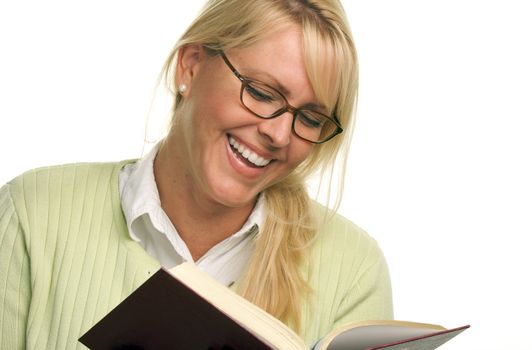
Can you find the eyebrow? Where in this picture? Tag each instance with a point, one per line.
(315, 107)
(274, 82)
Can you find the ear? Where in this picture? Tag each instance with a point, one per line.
(188, 62)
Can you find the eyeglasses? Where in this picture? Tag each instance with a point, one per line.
(267, 102)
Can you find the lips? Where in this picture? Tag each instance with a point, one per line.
(252, 157)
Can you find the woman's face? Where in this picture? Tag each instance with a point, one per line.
(229, 154)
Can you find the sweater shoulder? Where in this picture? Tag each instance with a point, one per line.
(80, 169)
(43, 180)
(40, 193)
(338, 233)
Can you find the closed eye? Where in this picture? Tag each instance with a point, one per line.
(259, 94)
(309, 120)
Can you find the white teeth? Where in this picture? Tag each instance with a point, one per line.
(248, 154)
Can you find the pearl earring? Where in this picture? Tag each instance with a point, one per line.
(182, 88)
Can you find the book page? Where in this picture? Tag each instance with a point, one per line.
(259, 322)
(365, 337)
(391, 337)
(427, 343)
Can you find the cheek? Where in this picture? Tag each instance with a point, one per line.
(300, 153)
(213, 92)
(216, 111)
(204, 112)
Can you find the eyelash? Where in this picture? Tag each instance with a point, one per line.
(312, 122)
(258, 95)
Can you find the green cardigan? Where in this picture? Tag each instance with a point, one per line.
(66, 259)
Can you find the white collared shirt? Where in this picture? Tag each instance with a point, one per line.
(149, 225)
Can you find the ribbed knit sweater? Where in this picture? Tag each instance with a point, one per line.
(66, 259)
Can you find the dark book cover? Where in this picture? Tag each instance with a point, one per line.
(163, 313)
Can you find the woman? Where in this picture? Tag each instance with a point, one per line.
(265, 91)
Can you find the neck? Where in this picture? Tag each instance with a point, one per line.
(201, 222)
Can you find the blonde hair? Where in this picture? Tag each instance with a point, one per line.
(273, 280)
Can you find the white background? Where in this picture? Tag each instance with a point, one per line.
(440, 171)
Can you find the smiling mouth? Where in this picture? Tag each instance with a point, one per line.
(252, 158)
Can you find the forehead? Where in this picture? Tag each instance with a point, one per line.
(278, 60)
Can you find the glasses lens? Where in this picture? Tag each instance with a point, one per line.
(266, 102)
(261, 99)
(313, 126)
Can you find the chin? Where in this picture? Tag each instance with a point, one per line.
(234, 196)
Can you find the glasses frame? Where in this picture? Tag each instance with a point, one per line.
(287, 106)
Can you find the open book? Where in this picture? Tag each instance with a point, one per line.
(184, 308)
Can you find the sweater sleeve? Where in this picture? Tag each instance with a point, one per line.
(15, 289)
(370, 296)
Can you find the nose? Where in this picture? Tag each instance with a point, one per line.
(277, 130)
